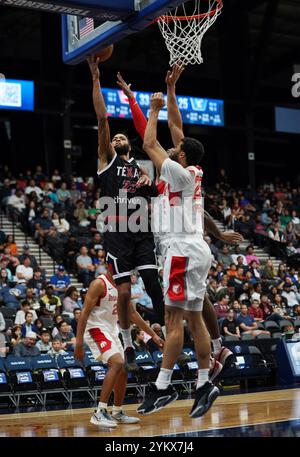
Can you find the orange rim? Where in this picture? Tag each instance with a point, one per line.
(189, 18)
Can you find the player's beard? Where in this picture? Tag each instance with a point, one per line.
(173, 155)
(122, 150)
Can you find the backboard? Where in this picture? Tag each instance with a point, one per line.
(105, 22)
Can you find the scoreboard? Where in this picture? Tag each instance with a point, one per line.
(201, 111)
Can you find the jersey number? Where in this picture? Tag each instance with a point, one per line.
(115, 310)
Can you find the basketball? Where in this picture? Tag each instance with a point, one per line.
(104, 54)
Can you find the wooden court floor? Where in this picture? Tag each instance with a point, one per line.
(228, 411)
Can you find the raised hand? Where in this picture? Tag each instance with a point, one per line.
(232, 237)
(93, 62)
(173, 76)
(126, 88)
(157, 101)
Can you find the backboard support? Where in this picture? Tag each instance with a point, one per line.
(85, 35)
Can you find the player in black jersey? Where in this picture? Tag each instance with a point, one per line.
(121, 179)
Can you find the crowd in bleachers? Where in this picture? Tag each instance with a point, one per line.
(39, 315)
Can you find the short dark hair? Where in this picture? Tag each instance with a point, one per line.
(193, 149)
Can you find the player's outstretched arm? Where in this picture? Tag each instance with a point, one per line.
(139, 119)
(174, 116)
(96, 290)
(151, 146)
(212, 229)
(105, 150)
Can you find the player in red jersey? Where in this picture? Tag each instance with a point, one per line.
(98, 328)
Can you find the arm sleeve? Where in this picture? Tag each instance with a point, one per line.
(139, 119)
(175, 175)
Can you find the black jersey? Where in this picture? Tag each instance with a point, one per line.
(118, 182)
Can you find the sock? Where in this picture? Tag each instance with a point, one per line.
(116, 409)
(101, 405)
(217, 344)
(126, 336)
(164, 378)
(202, 377)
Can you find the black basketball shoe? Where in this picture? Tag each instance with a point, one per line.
(130, 362)
(205, 396)
(157, 399)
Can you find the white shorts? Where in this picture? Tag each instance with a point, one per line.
(187, 261)
(103, 344)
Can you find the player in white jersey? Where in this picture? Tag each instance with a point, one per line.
(187, 262)
(98, 328)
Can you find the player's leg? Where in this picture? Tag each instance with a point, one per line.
(146, 265)
(206, 392)
(163, 392)
(221, 354)
(119, 394)
(101, 417)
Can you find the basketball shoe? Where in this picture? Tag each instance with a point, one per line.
(157, 399)
(122, 418)
(103, 419)
(205, 396)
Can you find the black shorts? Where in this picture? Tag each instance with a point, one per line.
(126, 252)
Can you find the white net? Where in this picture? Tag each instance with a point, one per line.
(183, 30)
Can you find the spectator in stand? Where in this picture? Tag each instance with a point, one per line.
(230, 326)
(140, 299)
(28, 325)
(63, 195)
(226, 213)
(39, 175)
(26, 253)
(282, 272)
(251, 256)
(152, 346)
(81, 298)
(56, 178)
(292, 297)
(95, 244)
(236, 306)
(43, 224)
(65, 335)
(138, 340)
(56, 320)
(100, 263)
(238, 255)
(255, 311)
(266, 306)
(24, 271)
(268, 271)
(50, 303)
(275, 232)
(222, 307)
(11, 261)
(27, 347)
(227, 288)
(212, 290)
(247, 323)
(289, 233)
(25, 308)
(81, 214)
(11, 244)
(15, 336)
(85, 267)
(232, 271)
(74, 321)
(295, 314)
(72, 248)
(37, 283)
(60, 223)
(70, 300)
(74, 192)
(34, 188)
(3, 278)
(224, 256)
(11, 296)
(213, 248)
(295, 218)
(17, 202)
(254, 270)
(57, 349)
(5, 192)
(44, 344)
(60, 281)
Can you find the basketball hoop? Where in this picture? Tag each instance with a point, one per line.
(183, 33)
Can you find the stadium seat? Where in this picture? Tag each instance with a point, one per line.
(8, 313)
(272, 326)
(21, 376)
(297, 324)
(73, 373)
(285, 323)
(158, 356)
(229, 338)
(9, 323)
(247, 336)
(148, 369)
(263, 336)
(190, 367)
(4, 384)
(47, 322)
(47, 373)
(95, 370)
(260, 326)
(277, 335)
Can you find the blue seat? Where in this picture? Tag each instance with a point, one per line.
(72, 371)
(4, 384)
(20, 373)
(95, 369)
(148, 368)
(48, 375)
(158, 356)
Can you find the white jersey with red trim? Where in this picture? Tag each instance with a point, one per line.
(105, 314)
(178, 210)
